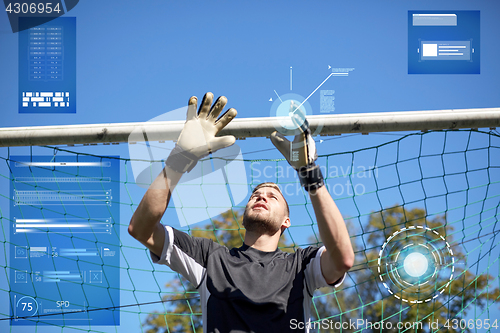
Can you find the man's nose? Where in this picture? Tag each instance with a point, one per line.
(261, 197)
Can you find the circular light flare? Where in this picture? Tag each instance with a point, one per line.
(415, 264)
(283, 108)
(423, 291)
(286, 109)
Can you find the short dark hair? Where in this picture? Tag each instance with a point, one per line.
(276, 187)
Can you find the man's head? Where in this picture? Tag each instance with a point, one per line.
(267, 211)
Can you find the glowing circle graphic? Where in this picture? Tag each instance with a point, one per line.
(284, 107)
(416, 264)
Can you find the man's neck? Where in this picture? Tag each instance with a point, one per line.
(260, 242)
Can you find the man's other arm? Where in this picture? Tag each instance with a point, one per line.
(301, 154)
(339, 255)
(145, 224)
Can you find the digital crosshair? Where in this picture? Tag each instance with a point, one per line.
(288, 104)
(416, 264)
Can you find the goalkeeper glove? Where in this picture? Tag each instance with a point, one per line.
(198, 137)
(301, 152)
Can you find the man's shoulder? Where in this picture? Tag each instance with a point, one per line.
(307, 251)
(185, 240)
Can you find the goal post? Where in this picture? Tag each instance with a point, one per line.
(256, 127)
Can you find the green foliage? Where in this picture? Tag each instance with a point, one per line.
(362, 297)
(184, 314)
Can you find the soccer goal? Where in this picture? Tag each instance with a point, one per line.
(420, 194)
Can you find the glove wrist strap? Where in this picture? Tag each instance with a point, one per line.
(311, 177)
(180, 160)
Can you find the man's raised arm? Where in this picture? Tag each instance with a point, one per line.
(197, 140)
(339, 255)
(301, 154)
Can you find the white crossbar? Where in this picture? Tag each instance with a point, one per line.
(256, 127)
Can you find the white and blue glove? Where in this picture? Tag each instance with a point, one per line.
(301, 152)
(198, 137)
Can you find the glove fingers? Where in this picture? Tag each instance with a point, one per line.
(225, 119)
(205, 105)
(312, 154)
(221, 142)
(217, 108)
(282, 143)
(299, 120)
(192, 107)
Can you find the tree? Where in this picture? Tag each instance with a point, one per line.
(184, 309)
(363, 298)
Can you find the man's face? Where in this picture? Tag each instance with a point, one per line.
(265, 211)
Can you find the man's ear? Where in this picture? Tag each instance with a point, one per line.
(285, 225)
(287, 222)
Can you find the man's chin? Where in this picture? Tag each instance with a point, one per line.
(259, 223)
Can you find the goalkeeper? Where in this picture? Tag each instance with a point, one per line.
(257, 287)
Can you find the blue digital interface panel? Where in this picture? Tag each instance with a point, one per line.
(443, 42)
(47, 66)
(445, 50)
(64, 236)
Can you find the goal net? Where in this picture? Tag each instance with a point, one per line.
(422, 211)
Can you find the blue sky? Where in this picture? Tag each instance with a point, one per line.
(138, 60)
